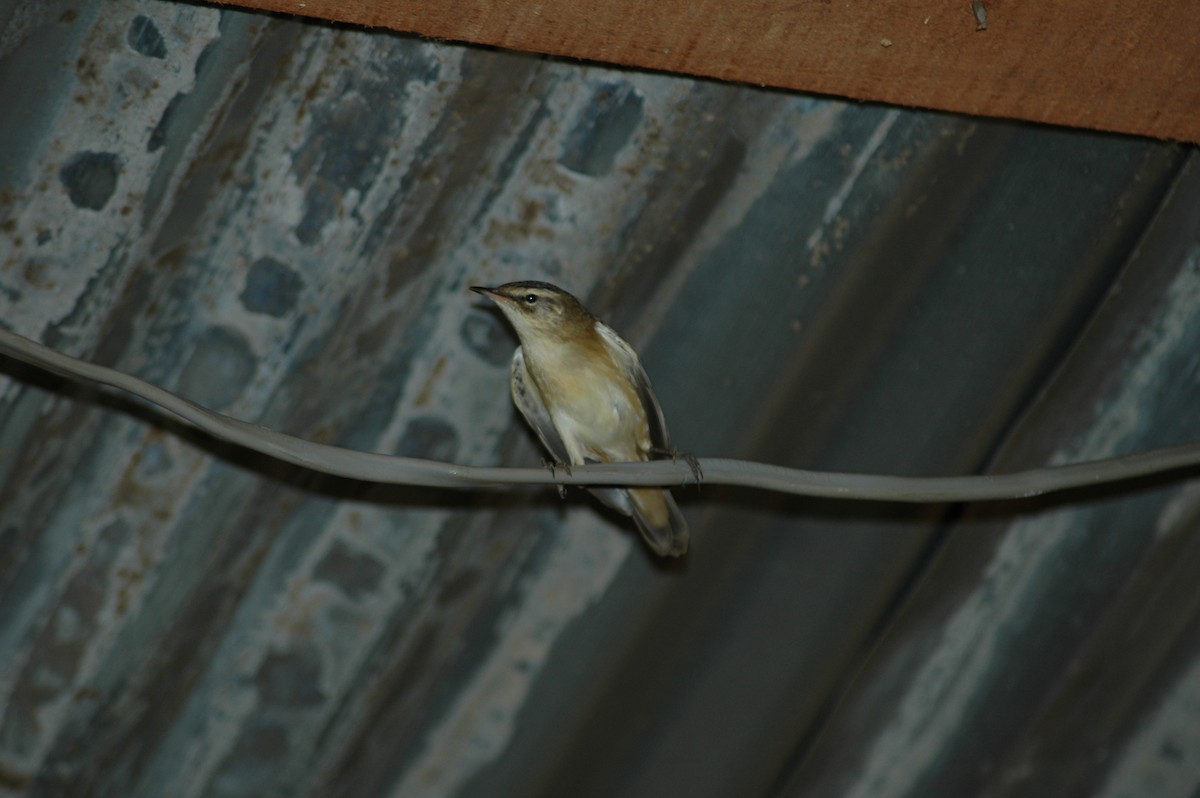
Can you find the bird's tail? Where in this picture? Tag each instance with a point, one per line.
(659, 520)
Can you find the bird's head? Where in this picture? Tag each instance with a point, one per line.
(538, 309)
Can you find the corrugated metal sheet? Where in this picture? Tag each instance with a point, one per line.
(278, 219)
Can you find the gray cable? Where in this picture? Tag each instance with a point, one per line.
(716, 471)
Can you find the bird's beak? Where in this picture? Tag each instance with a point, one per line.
(487, 292)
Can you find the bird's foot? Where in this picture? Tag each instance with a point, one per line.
(552, 465)
(690, 459)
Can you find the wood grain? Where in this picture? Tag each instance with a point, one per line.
(1103, 64)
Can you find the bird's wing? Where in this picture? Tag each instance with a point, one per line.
(528, 400)
(654, 510)
(628, 359)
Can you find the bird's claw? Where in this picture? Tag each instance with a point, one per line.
(562, 489)
(690, 459)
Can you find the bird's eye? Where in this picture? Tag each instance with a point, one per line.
(531, 299)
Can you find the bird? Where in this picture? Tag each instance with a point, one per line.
(584, 392)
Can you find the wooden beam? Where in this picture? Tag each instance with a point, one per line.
(1132, 67)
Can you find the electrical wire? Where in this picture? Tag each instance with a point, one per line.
(390, 469)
